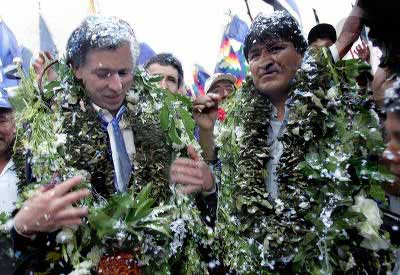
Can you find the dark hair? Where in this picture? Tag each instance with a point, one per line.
(278, 25)
(99, 32)
(167, 59)
(382, 18)
(322, 30)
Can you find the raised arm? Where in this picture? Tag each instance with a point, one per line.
(350, 32)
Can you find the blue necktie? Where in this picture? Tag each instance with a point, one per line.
(121, 181)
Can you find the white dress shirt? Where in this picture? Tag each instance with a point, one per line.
(126, 130)
(8, 188)
(275, 131)
(127, 135)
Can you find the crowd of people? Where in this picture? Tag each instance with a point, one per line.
(290, 173)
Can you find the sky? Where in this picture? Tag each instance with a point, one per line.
(191, 30)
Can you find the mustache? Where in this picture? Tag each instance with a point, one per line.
(270, 68)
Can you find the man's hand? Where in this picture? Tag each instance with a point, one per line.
(205, 111)
(362, 51)
(193, 175)
(51, 209)
(40, 64)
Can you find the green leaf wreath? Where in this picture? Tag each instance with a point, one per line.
(60, 138)
(322, 222)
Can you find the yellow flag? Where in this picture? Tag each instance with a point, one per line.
(92, 7)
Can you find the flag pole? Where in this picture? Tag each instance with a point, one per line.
(248, 10)
(316, 15)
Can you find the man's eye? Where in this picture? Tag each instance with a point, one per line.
(396, 137)
(276, 49)
(254, 55)
(123, 73)
(103, 75)
(172, 80)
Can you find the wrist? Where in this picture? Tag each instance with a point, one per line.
(206, 131)
(23, 230)
(212, 186)
(357, 12)
(211, 190)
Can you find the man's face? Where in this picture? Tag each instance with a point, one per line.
(169, 74)
(392, 151)
(322, 42)
(273, 64)
(222, 88)
(7, 130)
(107, 76)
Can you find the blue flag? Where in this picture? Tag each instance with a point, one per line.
(46, 41)
(8, 51)
(199, 79)
(146, 52)
(237, 29)
(289, 5)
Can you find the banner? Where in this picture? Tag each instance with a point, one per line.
(9, 50)
(199, 78)
(289, 5)
(231, 56)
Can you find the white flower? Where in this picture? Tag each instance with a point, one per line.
(61, 139)
(82, 268)
(369, 229)
(178, 146)
(65, 235)
(178, 227)
(304, 204)
(95, 255)
(332, 93)
(279, 206)
(132, 98)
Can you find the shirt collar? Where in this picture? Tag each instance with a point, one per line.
(274, 112)
(9, 165)
(107, 115)
(123, 124)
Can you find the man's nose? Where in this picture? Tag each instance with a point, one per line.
(163, 83)
(266, 59)
(115, 82)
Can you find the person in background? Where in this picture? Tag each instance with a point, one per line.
(362, 51)
(392, 157)
(322, 35)
(382, 20)
(220, 84)
(170, 68)
(8, 178)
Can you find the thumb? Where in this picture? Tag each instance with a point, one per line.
(192, 153)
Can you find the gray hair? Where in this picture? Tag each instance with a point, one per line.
(100, 32)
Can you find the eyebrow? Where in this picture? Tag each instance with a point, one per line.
(6, 115)
(101, 70)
